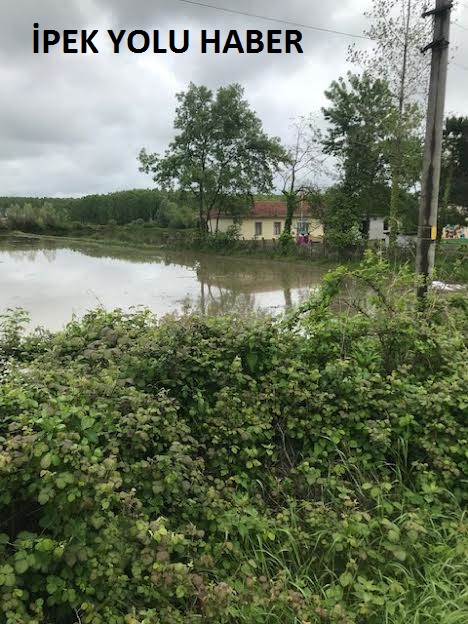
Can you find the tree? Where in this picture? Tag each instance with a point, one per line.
(304, 159)
(220, 150)
(235, 206)
(339, 214)
(362, 120)
(454, 165)
(399, 33)
(360, 116)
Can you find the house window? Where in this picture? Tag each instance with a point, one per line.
(258, 228)
(277, 228)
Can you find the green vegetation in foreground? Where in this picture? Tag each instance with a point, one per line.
(452, 260)
(304, 470)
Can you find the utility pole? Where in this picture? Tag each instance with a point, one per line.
(430, 182)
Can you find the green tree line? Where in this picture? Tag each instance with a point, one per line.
(166, 209)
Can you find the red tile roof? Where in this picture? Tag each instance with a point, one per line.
(274, 208)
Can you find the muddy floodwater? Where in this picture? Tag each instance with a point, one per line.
(55, 280)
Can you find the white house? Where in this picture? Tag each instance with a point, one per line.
(267, 219)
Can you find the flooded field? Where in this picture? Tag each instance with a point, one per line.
(56, 279)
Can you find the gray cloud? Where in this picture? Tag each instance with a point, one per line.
(73, 124)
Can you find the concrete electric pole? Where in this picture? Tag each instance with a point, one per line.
(430, 182)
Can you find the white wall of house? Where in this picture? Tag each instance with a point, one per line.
(266, 227)
(376, 228)
(223, 224)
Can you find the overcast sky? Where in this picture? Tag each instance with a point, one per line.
(72, 124)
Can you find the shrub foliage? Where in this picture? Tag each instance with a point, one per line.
(304, 470)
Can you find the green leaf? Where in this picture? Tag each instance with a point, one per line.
(400, 554)
(43, 497)
(87, 422)
(45, 545)
(346, 579)
(46, 461)
(10, 580)
(21, 565)
(180, 591)
(394, 536)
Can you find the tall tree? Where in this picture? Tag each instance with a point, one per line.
(305, 160)
(455, 165)
(361, 116)
(399, 33)
(340, 216)
(220, 150)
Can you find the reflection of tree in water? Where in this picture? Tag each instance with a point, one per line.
(232, 277)
(255, 275)
(223, 301)
(230, 284)
(226, 283)
(29, 249)
(31, 254)
(214, 301)
(50, 254)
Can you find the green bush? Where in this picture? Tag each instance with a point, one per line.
(29, 218)
(341, 217)
(452, 260)
(287, 242)
(220, 241)
(306, 469)
(176, 215)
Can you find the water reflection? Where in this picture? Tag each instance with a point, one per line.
(215, 301)
(54, 279)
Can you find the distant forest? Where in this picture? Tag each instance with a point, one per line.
(164, 208)
(122, 207)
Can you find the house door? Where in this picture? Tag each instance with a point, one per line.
(302, 226)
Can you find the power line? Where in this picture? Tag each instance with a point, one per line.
(307, 26)
(274, 19)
